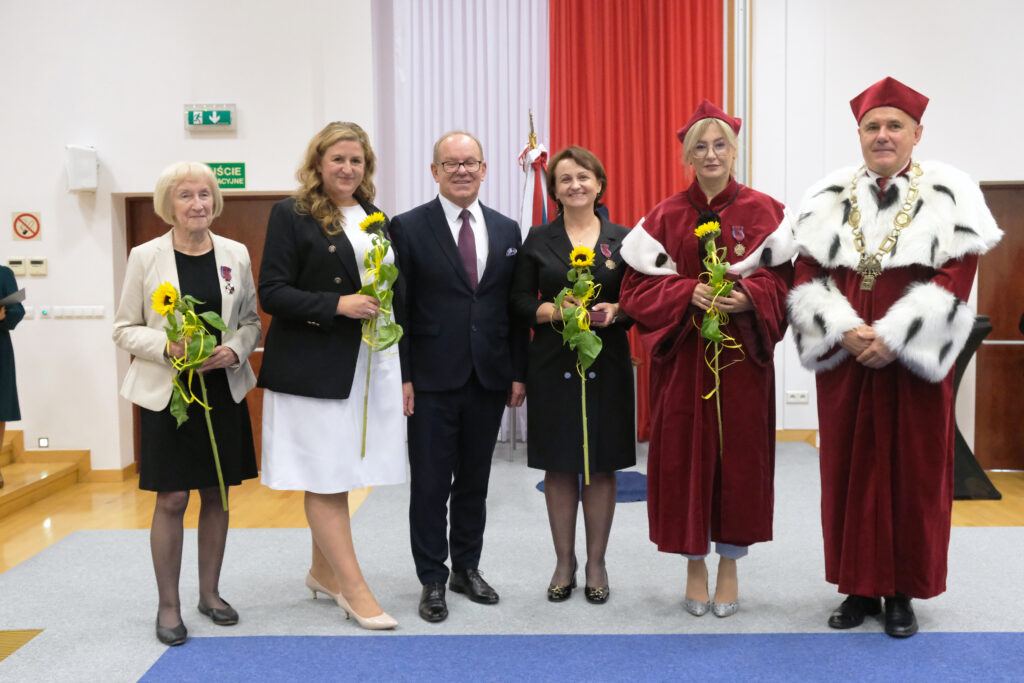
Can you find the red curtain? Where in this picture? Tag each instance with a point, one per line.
(625, 75)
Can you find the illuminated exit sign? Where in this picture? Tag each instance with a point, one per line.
(200, 117)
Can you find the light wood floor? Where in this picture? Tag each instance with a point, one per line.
(253, 506)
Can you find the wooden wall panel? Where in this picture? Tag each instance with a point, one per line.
(999, 412)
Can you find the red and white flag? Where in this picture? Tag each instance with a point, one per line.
(535, 209)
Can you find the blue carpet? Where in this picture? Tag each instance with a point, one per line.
(761, 657)
(631, 487)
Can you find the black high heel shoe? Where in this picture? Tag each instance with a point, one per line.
(562, 593)
(597, 595)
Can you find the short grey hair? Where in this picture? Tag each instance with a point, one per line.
(172, 176)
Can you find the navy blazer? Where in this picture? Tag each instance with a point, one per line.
(309, 350)
(454, 329)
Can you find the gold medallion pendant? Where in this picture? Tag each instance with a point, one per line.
(870, 267)
(740, 250)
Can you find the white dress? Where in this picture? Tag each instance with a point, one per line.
(313, 444)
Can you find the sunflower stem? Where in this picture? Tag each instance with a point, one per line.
(586, 447)
(366, 399)
(213, 443)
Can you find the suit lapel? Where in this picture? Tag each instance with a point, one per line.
(558, 241)
(438, 223)
(166, 267)
(222, 255)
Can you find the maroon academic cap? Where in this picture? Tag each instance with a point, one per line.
(707, 110)
(889, 92)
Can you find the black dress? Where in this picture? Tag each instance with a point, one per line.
(174, 459)
(553, 406)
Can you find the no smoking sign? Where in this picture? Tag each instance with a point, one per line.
(27, 225)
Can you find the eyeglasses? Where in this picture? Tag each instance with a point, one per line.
(471, 165)
(700, 150)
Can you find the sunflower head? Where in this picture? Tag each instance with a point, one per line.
(581, 257)
(372, 223)
(707, 228)
(164, 298)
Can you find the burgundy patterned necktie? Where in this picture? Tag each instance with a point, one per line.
(467, 247)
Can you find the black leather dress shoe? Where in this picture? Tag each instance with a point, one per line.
(222, 616)
(432, 604)
(853, 610)
(473, 585)
(900, 621)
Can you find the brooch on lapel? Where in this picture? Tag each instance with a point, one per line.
(738, 235)
(606, 251)
(512, 251)
(225, 272)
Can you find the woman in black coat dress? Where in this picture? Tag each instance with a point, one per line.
(10, 316)
(577, 181)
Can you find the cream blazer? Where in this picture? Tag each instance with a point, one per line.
(139, 330)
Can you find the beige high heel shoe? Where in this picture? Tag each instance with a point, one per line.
(381, 622)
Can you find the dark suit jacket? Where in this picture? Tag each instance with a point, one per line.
(452, 328)
(309, 350)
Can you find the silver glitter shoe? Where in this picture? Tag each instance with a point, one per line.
(726, 610)
(696, 608)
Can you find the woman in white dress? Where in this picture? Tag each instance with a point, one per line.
(315, 362)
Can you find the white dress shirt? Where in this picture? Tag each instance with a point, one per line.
(476, 222)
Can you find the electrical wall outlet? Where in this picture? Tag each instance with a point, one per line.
(796, 397)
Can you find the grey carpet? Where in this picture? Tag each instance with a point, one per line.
(93, 592)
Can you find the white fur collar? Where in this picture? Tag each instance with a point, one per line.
(950, 219)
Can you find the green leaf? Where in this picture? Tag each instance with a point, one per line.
(368, 290)
(388, 335)
(200, 348)
(709, 329)
(572, 325)
(214, 319)
(724, 288)
(572, 275)
(172, 335)
(581, 288)
(179, 408)
(588, 347)
(388, 273)
(190, 301)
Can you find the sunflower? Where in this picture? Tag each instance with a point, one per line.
(581, 257)
(707, 228)
(370, 223)
(164, 298)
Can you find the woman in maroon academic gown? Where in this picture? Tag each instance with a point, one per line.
(710, 481)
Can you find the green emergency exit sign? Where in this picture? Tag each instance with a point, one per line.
(210, 117)
(216, 117)
(230, 176)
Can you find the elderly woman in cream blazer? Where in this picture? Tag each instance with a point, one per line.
(173, 460)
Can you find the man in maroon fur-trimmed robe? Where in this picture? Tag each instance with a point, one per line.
(888, 254)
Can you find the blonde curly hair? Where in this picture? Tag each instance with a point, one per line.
(310, 198)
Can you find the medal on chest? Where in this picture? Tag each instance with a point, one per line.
(738, 235)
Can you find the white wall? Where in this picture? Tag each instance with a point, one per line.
(114, 74)
(811, 57)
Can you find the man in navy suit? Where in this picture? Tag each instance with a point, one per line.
(467, 363)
